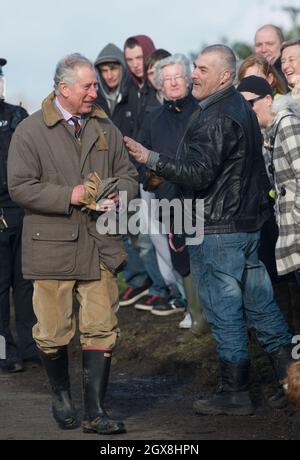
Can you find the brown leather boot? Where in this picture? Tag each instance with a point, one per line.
(233, 397)
(281, 359)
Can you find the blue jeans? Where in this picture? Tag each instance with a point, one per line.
(235, 290)
(134, 273)
(142, 266)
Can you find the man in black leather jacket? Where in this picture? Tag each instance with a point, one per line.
(220, 161)
(11, 218)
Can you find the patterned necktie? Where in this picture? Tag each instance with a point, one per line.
(77, 126)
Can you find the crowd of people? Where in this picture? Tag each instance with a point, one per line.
(224, 135)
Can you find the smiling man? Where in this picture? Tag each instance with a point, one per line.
(268, 42)
(220, 161)
(51, 154)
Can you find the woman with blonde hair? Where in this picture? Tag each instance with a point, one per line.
(259, 66)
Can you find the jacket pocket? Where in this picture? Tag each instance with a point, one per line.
(54, 248)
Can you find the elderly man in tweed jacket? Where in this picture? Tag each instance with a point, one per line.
(51, 154)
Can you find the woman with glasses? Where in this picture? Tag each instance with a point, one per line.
(163, 131)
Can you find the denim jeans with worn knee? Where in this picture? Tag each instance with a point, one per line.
(236, 292)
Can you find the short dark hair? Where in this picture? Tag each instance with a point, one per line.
(155, 57)
(289, 43)
(131, 43)
(110, 64)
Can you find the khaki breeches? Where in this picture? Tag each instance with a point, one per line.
(56, 322)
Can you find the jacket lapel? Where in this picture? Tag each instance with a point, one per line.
(93, 135)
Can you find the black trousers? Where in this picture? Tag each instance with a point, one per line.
(297, 274)
(268, 239)
(11, 278)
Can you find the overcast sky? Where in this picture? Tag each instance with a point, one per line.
(35, 34)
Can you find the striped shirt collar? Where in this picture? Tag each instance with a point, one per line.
(67, 116)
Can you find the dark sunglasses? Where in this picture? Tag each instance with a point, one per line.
(252, 101)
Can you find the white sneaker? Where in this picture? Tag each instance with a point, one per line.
(186, 323)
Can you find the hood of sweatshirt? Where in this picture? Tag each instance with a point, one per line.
(147, 46)
(111, 53)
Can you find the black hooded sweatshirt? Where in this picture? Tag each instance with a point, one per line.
(119, 109)
(143, 98)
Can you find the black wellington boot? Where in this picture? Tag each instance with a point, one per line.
(281, 359)
(96, 368)
(233, 398)
(56, 366)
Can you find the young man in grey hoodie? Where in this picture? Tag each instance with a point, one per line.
(114, 88)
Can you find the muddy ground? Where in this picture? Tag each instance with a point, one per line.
(158, 371)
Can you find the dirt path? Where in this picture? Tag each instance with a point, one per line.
(157, 373)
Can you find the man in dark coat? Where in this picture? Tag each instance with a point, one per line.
(11, 219)
(136, 51)
(268, 42)
(220, 161)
